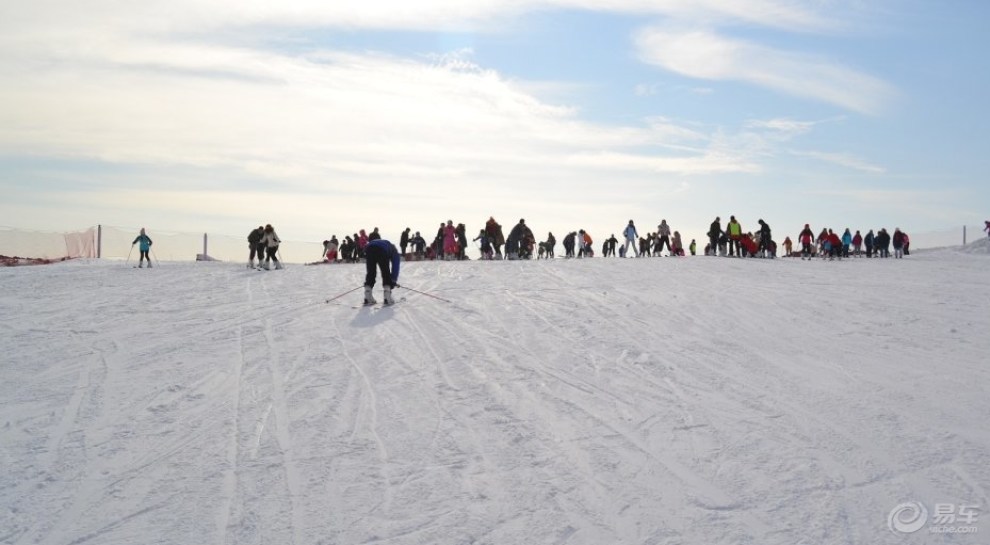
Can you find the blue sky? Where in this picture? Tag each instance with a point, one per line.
(322, 119)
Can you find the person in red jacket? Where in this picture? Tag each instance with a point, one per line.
(857, 243)
(836, 242)
(748, 245)
(806, 238)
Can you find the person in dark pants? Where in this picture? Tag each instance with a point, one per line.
(714, 234)
(145, 246)
(271, 242)
(765, 239)
(381, 255)
(404, 240)
(256, 247)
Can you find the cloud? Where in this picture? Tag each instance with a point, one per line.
(191, 16)
(706, 55)
(783, 126)
(842, 159)
(319, 120)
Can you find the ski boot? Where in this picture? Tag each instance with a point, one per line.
(369, 299)
(388, 296)
(278, 265)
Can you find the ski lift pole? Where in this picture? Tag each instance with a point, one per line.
(423, 293)
(343, 294)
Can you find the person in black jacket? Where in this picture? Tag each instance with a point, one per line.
(462, 242)
(881, 243)
(765, 240)
(381, 255)
(516, 236)
(569, 244)
(255, 245)
(404, 240)
(714, 233)
(419, 244)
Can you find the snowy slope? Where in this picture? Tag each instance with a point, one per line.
(696, 400)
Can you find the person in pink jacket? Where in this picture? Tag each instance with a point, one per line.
(449, 241)
(362, 242)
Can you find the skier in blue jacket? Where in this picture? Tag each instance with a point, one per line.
(847, 240)
(145, 246)
(630, 235)
(379, 255)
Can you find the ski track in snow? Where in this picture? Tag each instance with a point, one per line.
(639, 401)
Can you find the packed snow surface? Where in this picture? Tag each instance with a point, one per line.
(599, 401)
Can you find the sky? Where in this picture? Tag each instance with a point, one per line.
(325, 117)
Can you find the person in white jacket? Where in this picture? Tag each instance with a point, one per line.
(663, 237)
(271, 242)
(631, 238)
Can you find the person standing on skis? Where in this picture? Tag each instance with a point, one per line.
(254, 244)
(381, 255)
(271, 242)
(631, 237)
(144, 248)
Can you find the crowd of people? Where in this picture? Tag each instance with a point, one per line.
(733, 241)
(451, 243)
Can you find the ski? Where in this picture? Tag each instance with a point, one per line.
(374, 305)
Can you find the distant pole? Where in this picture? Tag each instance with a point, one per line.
(204, 247)
(99, 241)
(964, 235)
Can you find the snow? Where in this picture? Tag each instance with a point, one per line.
(598, 401)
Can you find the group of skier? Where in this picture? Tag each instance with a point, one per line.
(829, 244)
(653, 244)
(734, 242)
(451, 242)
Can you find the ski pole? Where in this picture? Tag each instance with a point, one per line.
(422, 293)
(128, 260)
(157, 263)
(343, 294)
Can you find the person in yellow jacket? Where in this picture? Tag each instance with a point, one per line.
(735, 234)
